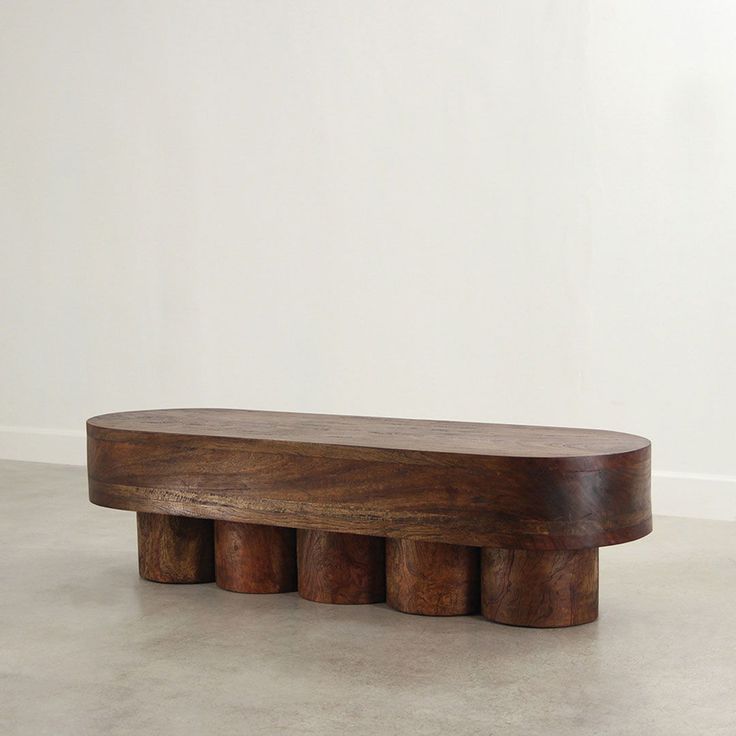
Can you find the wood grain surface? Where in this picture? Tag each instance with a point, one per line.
(381, 433)
(175, 549)
(341, 568)
(431, 578)
(540, 589)
(252, 558)
(452, 482)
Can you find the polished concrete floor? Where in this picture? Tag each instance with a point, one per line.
(86, 647)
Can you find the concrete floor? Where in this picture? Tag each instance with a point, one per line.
(86, 647)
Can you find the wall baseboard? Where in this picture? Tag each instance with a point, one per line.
(695, 495)
(38, 445)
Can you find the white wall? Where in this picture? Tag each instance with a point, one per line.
(508, 211)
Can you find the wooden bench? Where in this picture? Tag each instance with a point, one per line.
(437, 518)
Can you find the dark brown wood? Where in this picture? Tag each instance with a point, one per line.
(341, 568)
(175, 549)
(541, 589)
(431, 578)
(459, 483)
(252, 558)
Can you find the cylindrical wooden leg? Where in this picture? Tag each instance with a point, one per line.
(432, 579)
(175, 549)
(253, 558)
(341, 568)
(542, 589)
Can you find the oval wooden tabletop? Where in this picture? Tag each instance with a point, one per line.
(464, 483)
